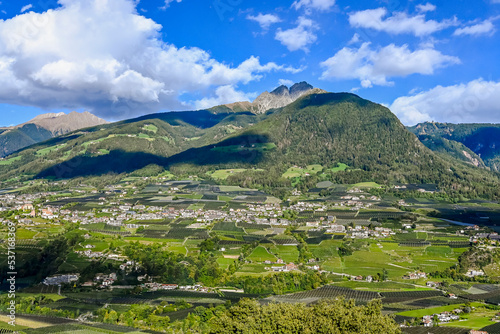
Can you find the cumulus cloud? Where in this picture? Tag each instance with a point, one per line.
(375, 66)
(475, 102)
(308, 5)
(398, 23)
(484, 28)
(27, 7)
(264, 20)
(103, 56)
(428, 7)
(300, 37)
(355, 39)
(168, 2)
(223, 95)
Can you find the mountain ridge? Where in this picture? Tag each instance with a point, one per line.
(280, 97)
(323, 129)
(44, 127)
(480, 141)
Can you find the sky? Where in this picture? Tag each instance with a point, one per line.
(426, 60)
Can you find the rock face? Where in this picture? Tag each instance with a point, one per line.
(282, 96)
(61, 123)
(44, 127)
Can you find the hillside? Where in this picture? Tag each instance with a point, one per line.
(328, 129)
(482, 140)
(124, 146)
(318, 129)
(44, 127)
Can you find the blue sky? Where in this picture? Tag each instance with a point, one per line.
(426, 60)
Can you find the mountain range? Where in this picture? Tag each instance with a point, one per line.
(44, 127)
(478, 144)
(320, 128)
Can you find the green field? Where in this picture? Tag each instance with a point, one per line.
(286, 253)
(475, 320)
(47, 150)
(150, 127)
(340, 167)
(197, 206)
(260, 254)
(299, 171)
(225, 262)
(22, 233)
(223, 174)
(9, 161)
(366, 185)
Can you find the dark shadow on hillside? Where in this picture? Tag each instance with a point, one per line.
(329, 98)
(484, 141)
(243, 150)
(200, 118)
(246, 149)
(116, 161)
(49, 142)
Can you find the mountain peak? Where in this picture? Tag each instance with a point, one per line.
(279, 97)
(282, 96)
(281, 90)
(48, 115)
(299, 88)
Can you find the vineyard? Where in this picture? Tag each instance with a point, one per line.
(435, 330)
(181, 233)
(492, 329)
(87, 328)
(403, 296)
(492, 297)
(328, 291)
(285, 241)
(486, 287)
(434, 302)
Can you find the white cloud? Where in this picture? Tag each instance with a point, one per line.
(298, 38)
(355, 39)
(308, 5)
(428, 7)
(398, 23)
(223, 95)
(475, 102)
(103, 56)
(285, 82)
(27, 7)
(374, 67)
(484, 28)
(168, 2)
(264, 20)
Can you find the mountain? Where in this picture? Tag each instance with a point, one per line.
(44, 127)
(324, 129)
(282, 96)
(278, 98)
(477, 143)
(327, 129)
